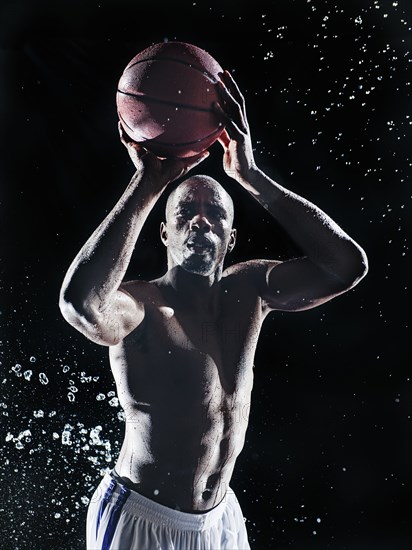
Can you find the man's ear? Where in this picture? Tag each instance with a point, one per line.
(232, 240)
(163, 233)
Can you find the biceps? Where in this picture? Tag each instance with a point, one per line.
(108, 325)
(297, 285)
(122, 316)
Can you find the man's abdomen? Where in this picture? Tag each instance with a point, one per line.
(181, 453)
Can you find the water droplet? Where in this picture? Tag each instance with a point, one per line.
(43, 378)
(66, 438)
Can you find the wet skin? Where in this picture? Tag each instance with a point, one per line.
(185, 374)
(184, 379)
(182, 346)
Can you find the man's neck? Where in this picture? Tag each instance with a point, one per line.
(200, 292)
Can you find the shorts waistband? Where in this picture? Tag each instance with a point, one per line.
(145, 508)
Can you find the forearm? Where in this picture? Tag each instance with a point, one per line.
(99, 267)
(321, 240)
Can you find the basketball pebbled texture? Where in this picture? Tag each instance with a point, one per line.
(165, 97)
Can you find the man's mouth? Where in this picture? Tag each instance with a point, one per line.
(200, 246)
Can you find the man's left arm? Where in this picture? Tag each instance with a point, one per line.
(332, 262)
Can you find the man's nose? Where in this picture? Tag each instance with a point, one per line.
(200, 222)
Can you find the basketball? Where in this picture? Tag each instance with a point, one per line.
(165, 97)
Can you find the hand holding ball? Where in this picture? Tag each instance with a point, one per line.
(165, 99)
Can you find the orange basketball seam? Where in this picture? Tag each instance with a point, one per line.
(144, 97)
(180, 143)
(203, 71)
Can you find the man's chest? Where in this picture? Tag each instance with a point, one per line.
(224, 332)
(177, 347)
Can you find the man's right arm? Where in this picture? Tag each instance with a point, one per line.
(91, 297)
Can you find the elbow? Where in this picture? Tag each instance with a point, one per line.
(65, 306)
(81, 315)
(71, 312)
(63, 301)
(69, 306)
(365, 263)
(356, 268)
(85, 321)
(361, 265)
(73, 309)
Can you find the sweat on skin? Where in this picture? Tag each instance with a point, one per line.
(183, 375)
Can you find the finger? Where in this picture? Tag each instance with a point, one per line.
(225, 95)
(121, 133)
(232, 106)
(130, 144)
(124, 136)
(186, 164)
(233, 129)
(191, 162)
(224, 139)
(223, 114)
(234, 88)
(229, 86)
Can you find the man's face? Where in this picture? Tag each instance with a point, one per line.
(198, 230)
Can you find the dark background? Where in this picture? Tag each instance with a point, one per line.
(327, 83)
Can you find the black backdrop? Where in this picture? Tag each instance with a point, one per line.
(327, 457)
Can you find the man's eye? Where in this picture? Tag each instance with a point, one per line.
(217, 213)
(184, 213)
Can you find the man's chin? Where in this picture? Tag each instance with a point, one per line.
(197, 266)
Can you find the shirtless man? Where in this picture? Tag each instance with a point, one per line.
(182, 346)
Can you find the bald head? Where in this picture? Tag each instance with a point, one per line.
(198, 231)
(196, 185)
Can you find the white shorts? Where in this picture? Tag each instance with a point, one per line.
(119, 518)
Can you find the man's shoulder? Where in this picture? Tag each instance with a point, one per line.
(251, 269)
(140, 290)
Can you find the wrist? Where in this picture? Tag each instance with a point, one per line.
(145, 185)
(265, 190)
(248, 177)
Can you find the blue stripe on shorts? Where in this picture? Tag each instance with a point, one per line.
(114, 517)
(105, 500)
